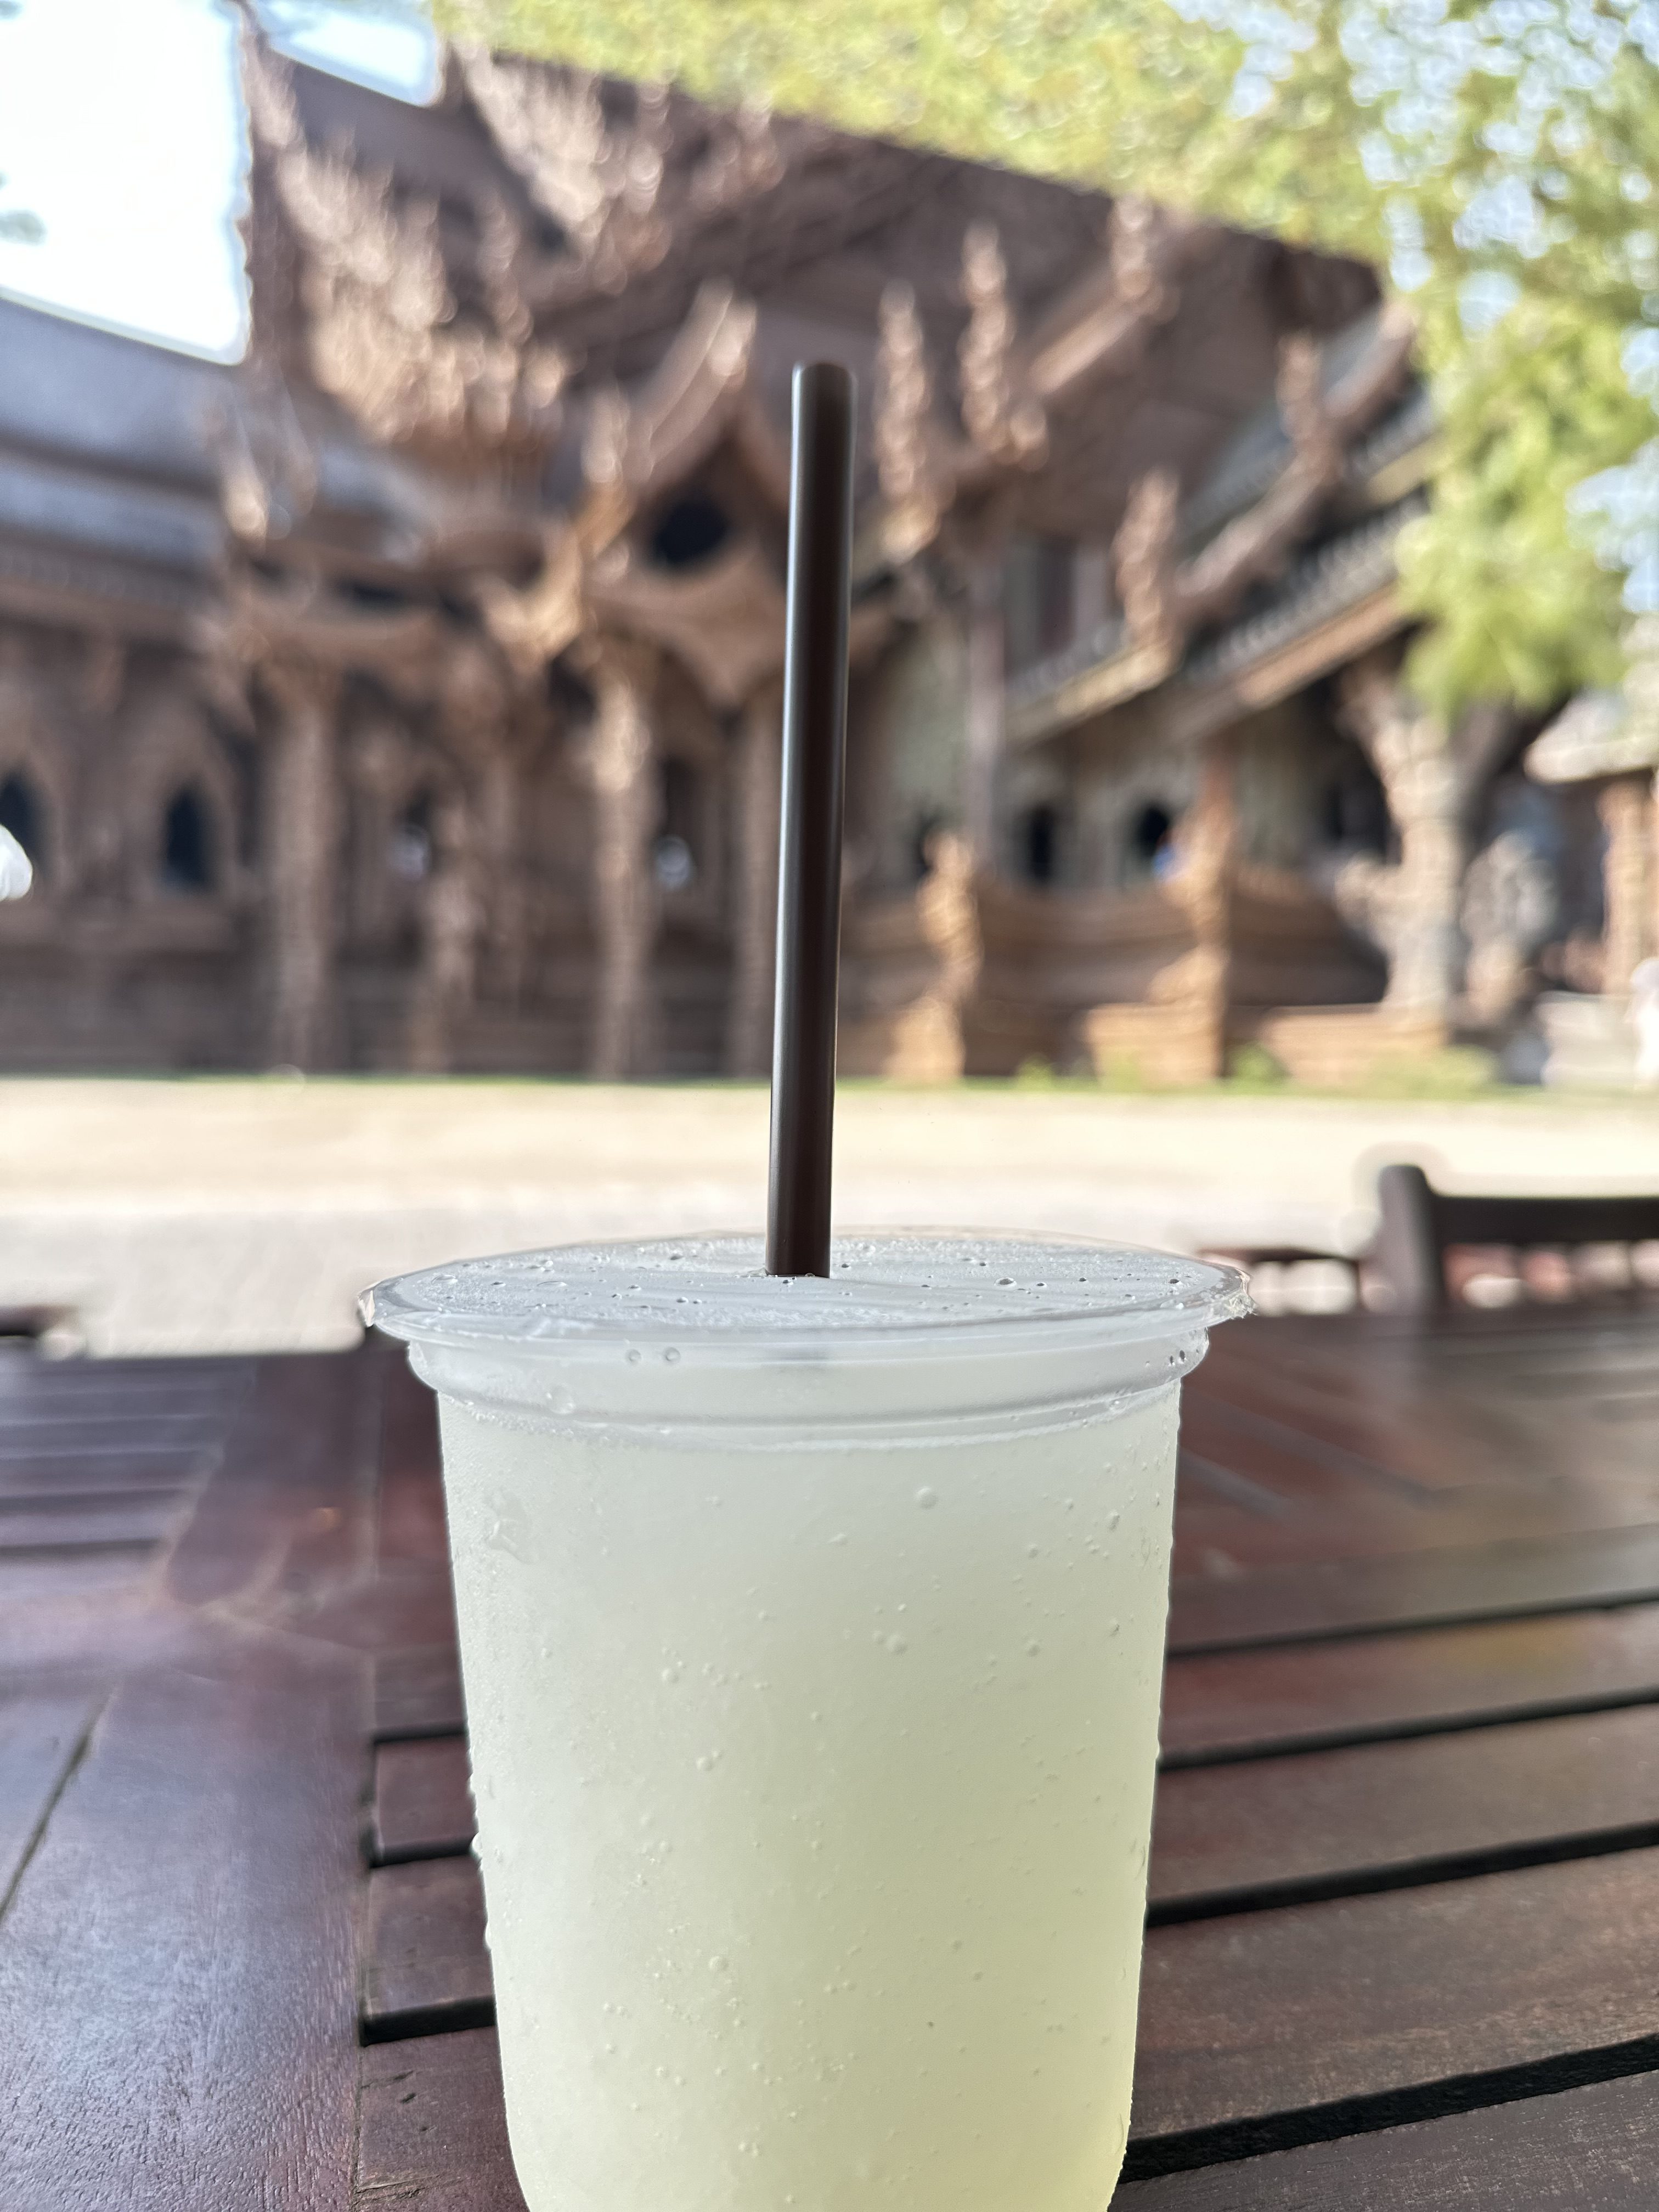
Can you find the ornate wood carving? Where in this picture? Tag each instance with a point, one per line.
(1005, 422)
(724, 620)
(947, 913)
(1101, 328)
(1143, 559)
(608, 185)
(258, 622)
(904, 435)
(1009, 384)
(636, 447)
(1321, 425)
(381, 327)
(1410, 909)
(483, 722)
(1198, 986)
(1507, 911)
(599, 183)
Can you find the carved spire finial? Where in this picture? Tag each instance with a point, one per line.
(903, 425)
(1143, 554)
(1005, 424)
(383, 334)
(599, 181)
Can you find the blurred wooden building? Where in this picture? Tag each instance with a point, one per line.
(408, 696)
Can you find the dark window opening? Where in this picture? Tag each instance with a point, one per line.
(1148, 834)
(690, 531)
(1039, 844)
(1356, 811)
(411, 855)
(186, 845)
(674, 856)
(21, 813)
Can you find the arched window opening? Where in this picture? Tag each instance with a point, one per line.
(1150, 848)
(674, 855)
(411, 853)
(1039, 843)
(689, 532)
(186, 844)
(22, 813)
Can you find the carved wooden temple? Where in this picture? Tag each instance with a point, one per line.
(408, 696)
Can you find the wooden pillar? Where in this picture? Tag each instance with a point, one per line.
(623, 772)
(480, 717)
(1205, 886)
(1626, 808)
(755, 872)
(303, 866)
(452, 917)
(500, 886)
(987, 700)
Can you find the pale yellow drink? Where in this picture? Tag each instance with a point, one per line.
(812, 1637)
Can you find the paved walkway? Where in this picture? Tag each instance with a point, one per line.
(208, 1215)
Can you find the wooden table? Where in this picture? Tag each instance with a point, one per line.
(1404, 1928)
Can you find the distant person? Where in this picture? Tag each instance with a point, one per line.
(1644, 1020)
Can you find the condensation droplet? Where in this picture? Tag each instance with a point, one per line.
(926, 1497)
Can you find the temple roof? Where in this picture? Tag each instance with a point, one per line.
(107, 488)
(582, 220)
(1602, 733)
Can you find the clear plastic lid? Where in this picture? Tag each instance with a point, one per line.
(906, 1326)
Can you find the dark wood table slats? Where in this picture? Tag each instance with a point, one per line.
(38, 1522)
(175, 1965)
(1589, 2149)
(418, 1693)
(1241, 1705)
(1425, 1589)
(1339, 1823)
(423, 1802)
(1372, 2002)
(433, 2135)
(425, 1966)
(1405, 1885)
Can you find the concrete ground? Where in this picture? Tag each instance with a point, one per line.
(208, 1215)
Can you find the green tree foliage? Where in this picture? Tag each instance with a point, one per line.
(1500, 158)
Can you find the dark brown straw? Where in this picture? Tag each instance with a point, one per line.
(809, 849)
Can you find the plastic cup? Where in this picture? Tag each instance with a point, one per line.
(812, 1635)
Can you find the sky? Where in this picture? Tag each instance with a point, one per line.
(120, 129)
